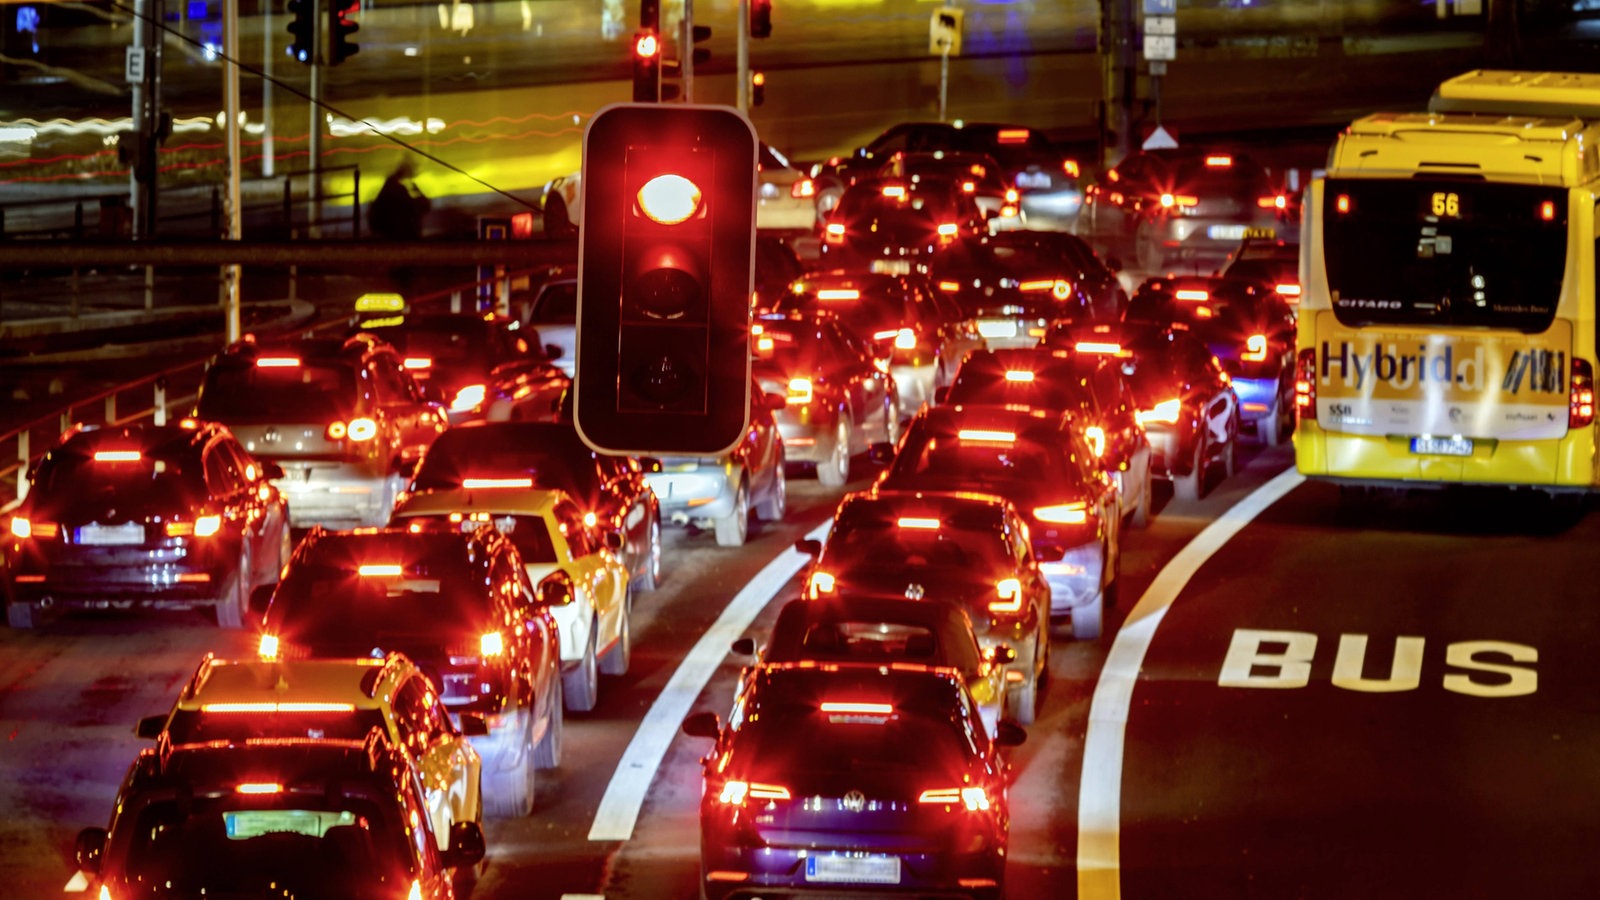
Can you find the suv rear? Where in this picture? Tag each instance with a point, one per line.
(341, 417)
(461, 606)
(312, 819)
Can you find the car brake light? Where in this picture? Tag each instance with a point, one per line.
(419, 362)
(1064, 513)
(1275, 201)
(1011, 196)
(1547, 210)
(820, 583)
(259, 788)
(734, 793)
(1305, 383)
(1062, 289)
(803, 188)
(1096, 436)
(1192, 294)
(1219, 161)
(1255, 348)
(800, 391)
(469, 398)
(268, 706)
(1166, 411)
(833, 233)
(917, 523)
(416, 890)
(491, 644)
(975, 799)
(117, 456)
(1097, 347)
(206, 526)
(1070, 166)
(838, 294)
(1019, 375)
(1342, 203)
(378, 570)
(949, 287)
(986, 437)
(1287, 289)
(968, 187)
(853, 708)
(905, 339)
(1043, 285)
(21, 528)
(1010, 594)
(1012, 136)
(894, 190)
(947, 231)
(268, 647)
(277, 362)
(1168, 201)
(473, 484)
(1580, 405)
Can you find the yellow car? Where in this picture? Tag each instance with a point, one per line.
(344, 699)
(552, 535)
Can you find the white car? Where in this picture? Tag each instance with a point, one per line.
(785, 199)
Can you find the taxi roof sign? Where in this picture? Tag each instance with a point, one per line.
(380, 302)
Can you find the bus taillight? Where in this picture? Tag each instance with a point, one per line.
(1580, 402)
(1305, 384)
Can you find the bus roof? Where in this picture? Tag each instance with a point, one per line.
(1529, 94)
(1499, 148)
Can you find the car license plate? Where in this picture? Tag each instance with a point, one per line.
(126, 533)
(1260, 231)
(1030, 181)
(860, 869)
(1225, 232)
(1001, 329)
(1432, 446)
(892, 266)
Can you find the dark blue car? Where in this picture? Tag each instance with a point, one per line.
(853, 777)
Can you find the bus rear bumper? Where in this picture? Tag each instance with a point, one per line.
(1563, 465)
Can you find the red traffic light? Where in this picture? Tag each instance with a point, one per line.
(646, 46)
(668, 199)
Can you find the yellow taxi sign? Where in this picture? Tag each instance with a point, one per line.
(380, 302)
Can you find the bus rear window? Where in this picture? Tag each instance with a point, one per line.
(1444, 253)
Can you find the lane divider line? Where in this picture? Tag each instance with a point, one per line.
(619, 808)
(1100, 787)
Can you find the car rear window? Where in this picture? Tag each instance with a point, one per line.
(447, 341)
(919, 540)
(324, 599)
(69, 479)
(943, 458)
(309, 391)
(529, 534)
(190, 726)
(988, 384)
(798, 740)
(868, 312)
(556, 461)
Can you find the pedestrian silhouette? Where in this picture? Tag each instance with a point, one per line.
(396, 213)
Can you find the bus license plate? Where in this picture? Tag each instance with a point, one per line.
(856, 869)
(1432, 446)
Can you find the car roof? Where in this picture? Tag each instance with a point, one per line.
(930, 690)
(529, 501)
(1029, 424)
(353, 681)
(308, 764)
(956, 646)
(937, 502)
(141, 437)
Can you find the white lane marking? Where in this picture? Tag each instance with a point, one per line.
(619, 808)
(1100, 789)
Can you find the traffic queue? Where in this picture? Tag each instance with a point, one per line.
(467, 564)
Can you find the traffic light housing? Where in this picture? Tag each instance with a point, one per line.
(665, 265)
(646, 66)
(758, 88)
(303, 28)
(340, 28)
(700, 34)
(760, 18)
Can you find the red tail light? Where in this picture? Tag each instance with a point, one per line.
(975, 799)
(1255, 348)
(1580, 405)
(1305, 384)
(1063, 514)
(833, 233)
(1070, 167)
(1274, 201)
(803, 188)
(735, 793)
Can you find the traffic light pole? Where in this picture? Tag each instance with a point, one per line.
(686, 50)
(230, 273)
(742, 78)
(146, 47)
(315, 148)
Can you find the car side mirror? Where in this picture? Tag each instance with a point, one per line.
(809, 546)
(1009, 734)
(1000, 654)
(466, 846)
(261, 598)
(775, 401)
(270, 471)
(150, 727)
(473, 725)
(553, 351)
(89, 848)
(555, 589)
(702, 724)
(744, 646)
(881, 453)
(941, 394)
(613, 540)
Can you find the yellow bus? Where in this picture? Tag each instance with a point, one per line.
(1448, 267)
